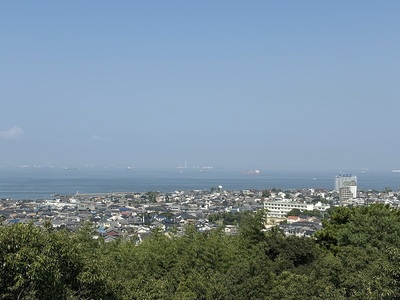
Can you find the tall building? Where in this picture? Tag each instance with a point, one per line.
(346, 185)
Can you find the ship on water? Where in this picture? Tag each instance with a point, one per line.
(251, 172)
(70, 169)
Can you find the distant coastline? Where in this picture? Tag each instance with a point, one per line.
(39, 183)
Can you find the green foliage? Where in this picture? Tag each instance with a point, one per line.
(152, 196)
(226, 218)
(294, 212)
(370, 227)
(310, 213)
(38, 263)
(355, 256)
(318, 199)
(288, 252)
(362, 240)
(266, 194)
(252, 225)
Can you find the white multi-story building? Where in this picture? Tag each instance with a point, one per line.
(345, 193)
(346, 185)
(279, 209)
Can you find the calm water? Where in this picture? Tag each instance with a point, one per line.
(39, 183)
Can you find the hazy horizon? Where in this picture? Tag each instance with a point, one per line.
(200, 168)
(247, 85)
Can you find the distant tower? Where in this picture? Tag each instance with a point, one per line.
(346, 185)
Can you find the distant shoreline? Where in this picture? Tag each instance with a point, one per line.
(37, 183)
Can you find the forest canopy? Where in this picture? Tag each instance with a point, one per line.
(355, 256)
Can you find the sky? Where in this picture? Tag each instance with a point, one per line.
(241, 84)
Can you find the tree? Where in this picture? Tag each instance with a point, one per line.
(42, 264)
(362, 240)
(294, 212)
(371, 227)
(266, 194)
(251, 226)
(152, 196)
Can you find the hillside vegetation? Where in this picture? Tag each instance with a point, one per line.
(355, 256)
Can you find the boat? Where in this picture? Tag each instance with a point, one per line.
(396, 171)
(251, 172)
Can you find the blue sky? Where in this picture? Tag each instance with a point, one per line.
(247, 84)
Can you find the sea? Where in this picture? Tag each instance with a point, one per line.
(31, 183)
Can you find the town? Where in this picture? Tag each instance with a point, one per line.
(136, 215)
